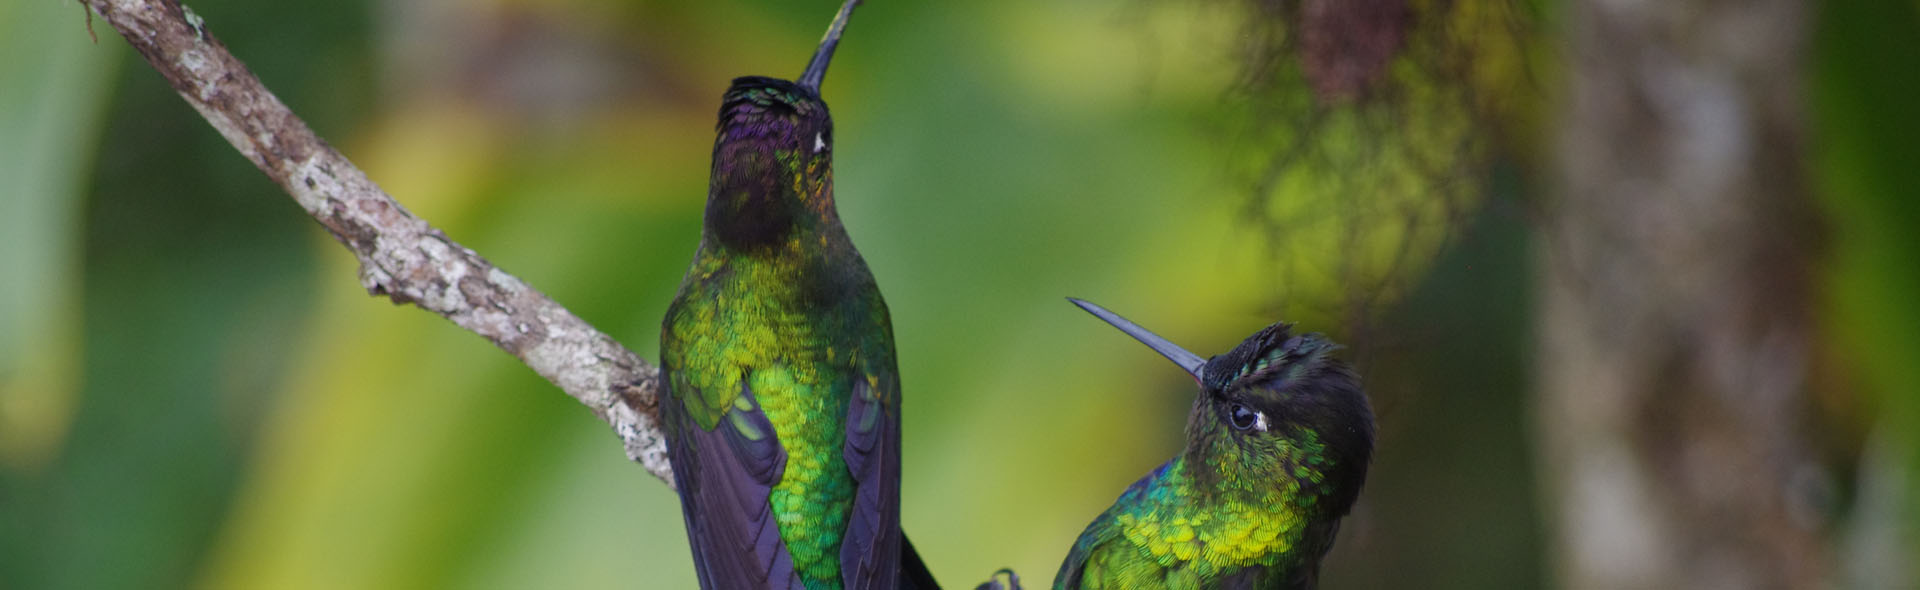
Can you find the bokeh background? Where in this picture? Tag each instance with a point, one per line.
(194, 391)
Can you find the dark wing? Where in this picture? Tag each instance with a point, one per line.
(913, 572)
(724, 476)
(870, 552)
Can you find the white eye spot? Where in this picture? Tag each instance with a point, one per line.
(1260, 421)
(819, 143)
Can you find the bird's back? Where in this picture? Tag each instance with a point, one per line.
(770, 361)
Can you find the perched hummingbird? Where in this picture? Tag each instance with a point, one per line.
(782, 404)
(1278, 443)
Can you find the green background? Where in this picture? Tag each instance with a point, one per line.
(195, 391)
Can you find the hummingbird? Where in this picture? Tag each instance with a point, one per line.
(1278, 443)
(782, 398)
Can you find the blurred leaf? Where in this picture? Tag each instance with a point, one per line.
(51, 99)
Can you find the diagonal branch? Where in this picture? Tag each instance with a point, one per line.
(401, 256)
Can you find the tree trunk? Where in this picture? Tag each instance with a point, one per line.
(1675, 331)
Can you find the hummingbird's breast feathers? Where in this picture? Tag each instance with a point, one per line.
(1174, 530)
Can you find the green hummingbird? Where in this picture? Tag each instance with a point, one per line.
(1278, 443)
(782, 400)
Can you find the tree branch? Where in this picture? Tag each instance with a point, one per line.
(401, 256)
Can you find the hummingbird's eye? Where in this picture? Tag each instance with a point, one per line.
(1246, 418)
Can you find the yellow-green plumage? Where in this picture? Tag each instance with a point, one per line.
(1170, 532)
(746, 317)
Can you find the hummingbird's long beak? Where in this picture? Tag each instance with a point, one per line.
(817, 69)
(1191, 362)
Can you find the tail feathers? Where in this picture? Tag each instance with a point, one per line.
(913, 572)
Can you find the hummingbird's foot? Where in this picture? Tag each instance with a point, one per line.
(993, 583)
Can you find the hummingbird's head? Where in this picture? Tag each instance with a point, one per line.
(1278, 411)
(1281, 408)
(772, 154)
(772, 164)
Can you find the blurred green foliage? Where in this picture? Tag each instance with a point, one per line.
(1865, 88)
(197, 392)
